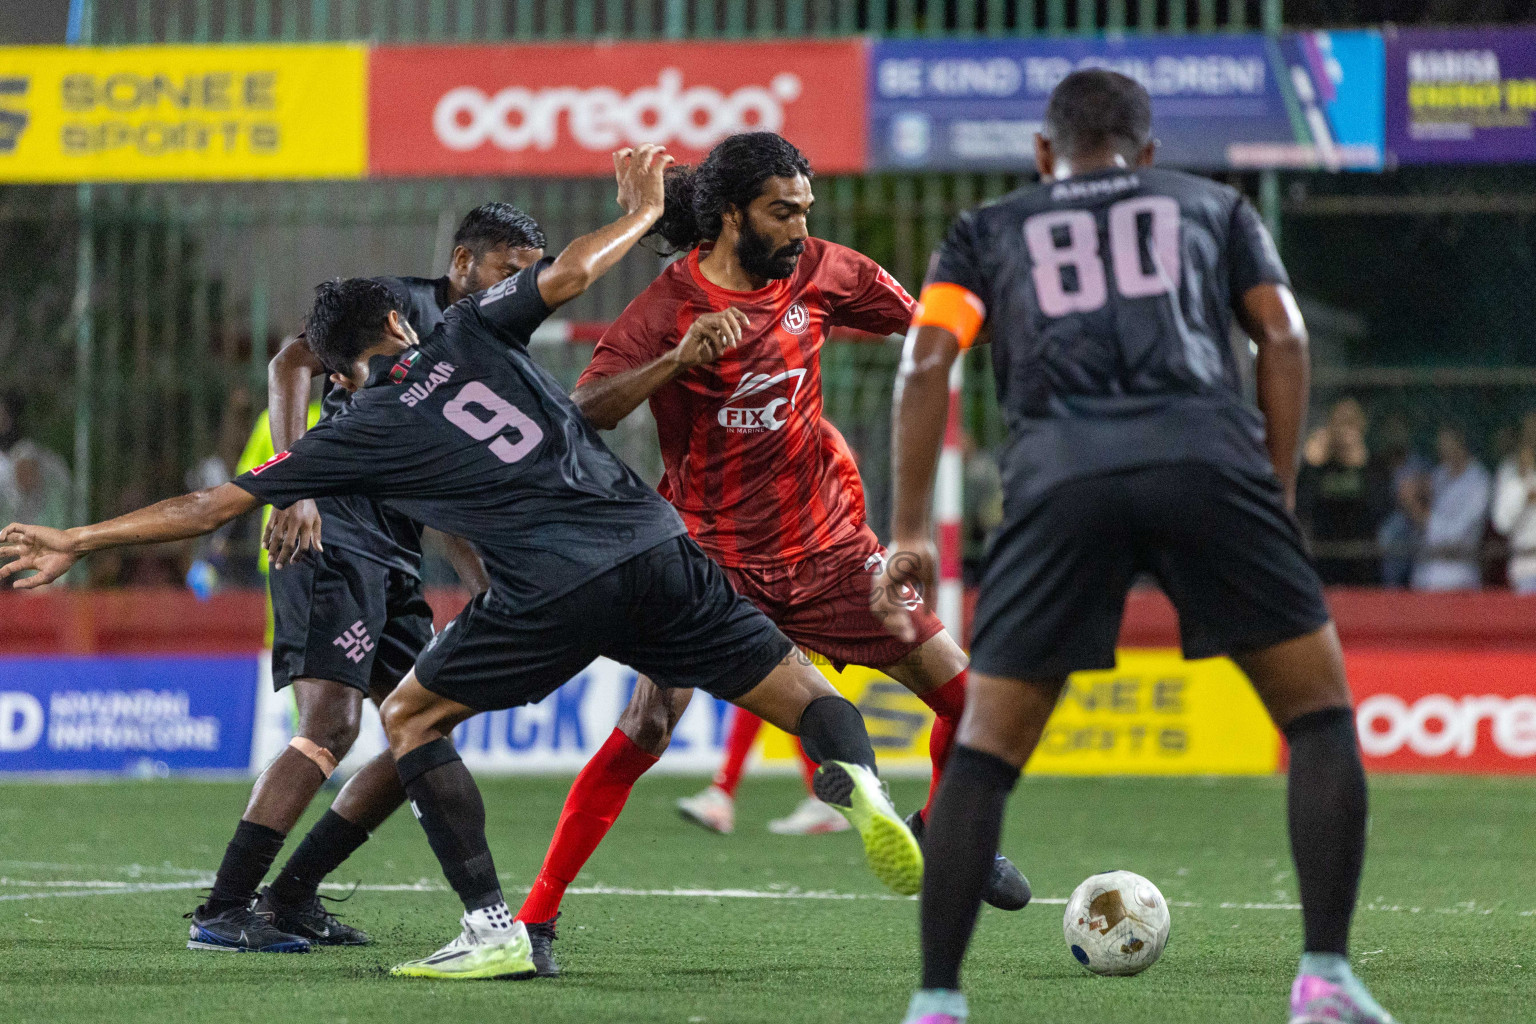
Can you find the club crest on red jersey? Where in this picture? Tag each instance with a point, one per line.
(796, 319)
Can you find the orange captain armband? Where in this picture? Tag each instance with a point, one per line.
(958, 310)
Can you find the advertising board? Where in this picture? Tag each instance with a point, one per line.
(145, 716)
(1303, 100)
(168, 113)
(1461, 95)
(561, 110)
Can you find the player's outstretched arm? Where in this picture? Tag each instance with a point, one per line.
(608, 400)
(50, 553)
(919, 412)
(1268, 312)
(641, 197)
(289, 376)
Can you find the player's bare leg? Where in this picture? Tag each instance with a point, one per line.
(592, 806)
(329, 714)
(936, 672)
(1302, 684)
(292, 902)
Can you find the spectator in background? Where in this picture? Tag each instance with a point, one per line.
(38, 486)
(1342, 496)
(1451, 507)
(1514, 507)
(1398, 537)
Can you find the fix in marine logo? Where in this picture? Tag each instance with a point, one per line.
(422, 388)
(402, 369)
(12, 122)
(796, 319)
(274, 460)
(355, 642)
(760, 417)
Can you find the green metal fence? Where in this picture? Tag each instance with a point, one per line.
(136, 320)
(122, 21)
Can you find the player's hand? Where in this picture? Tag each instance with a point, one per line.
(902, 584)
(48, 552)
(292, 530)
(709, 336)
(641, 176)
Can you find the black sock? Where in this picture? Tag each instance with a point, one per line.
(831, 729)
(959, 844)
(447, 803)
(246, 860)
(331, 841)
(1327, 812)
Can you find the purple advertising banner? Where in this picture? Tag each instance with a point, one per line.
(1461, 96)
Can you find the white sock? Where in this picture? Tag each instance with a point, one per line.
(1328, 966)
(494, 918)
(945, 1001)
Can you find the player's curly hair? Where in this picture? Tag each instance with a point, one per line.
(1092, 109)
(348, 317)
(733, 174)
(493, 225)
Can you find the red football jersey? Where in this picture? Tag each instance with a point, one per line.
(759, 476)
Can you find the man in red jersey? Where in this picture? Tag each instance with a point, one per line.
(725, 345)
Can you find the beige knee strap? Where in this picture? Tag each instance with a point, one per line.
(324, 759)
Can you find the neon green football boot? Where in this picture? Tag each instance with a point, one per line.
(858, 794)
(476, 954)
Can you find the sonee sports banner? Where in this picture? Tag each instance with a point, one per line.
(168, 113)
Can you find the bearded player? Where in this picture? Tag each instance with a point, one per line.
(725, 345)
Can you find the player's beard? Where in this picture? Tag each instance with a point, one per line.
(757, 257)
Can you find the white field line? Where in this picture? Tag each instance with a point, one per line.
(64, 888)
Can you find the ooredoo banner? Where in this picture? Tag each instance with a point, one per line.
(561, 110)
(1445, 711)
(1461, 96)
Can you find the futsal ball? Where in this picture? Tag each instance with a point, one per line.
(1116, 923)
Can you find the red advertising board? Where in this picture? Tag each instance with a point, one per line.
(561, 110)
(1445, 711)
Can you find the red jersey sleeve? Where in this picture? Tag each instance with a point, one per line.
(866, 297)
(634, 339)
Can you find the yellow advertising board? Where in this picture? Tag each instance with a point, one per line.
(1153, 714)
(167, 113)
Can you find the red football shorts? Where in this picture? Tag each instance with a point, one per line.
(822, 604)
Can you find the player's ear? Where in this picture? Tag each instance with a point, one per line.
(1045, 155)
(461, 264)
(1148, 154)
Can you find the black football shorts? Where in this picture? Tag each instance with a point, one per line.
(342, 617)
(669, 612)
(1220, 543)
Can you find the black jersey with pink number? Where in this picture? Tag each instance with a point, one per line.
(1109, 305)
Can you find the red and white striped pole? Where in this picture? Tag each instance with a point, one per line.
(947, 510)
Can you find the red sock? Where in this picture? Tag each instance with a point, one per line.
(948, 703)
(594, 802)
(807, 767)
(738, 747)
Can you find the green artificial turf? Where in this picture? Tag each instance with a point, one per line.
(1447, 933)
